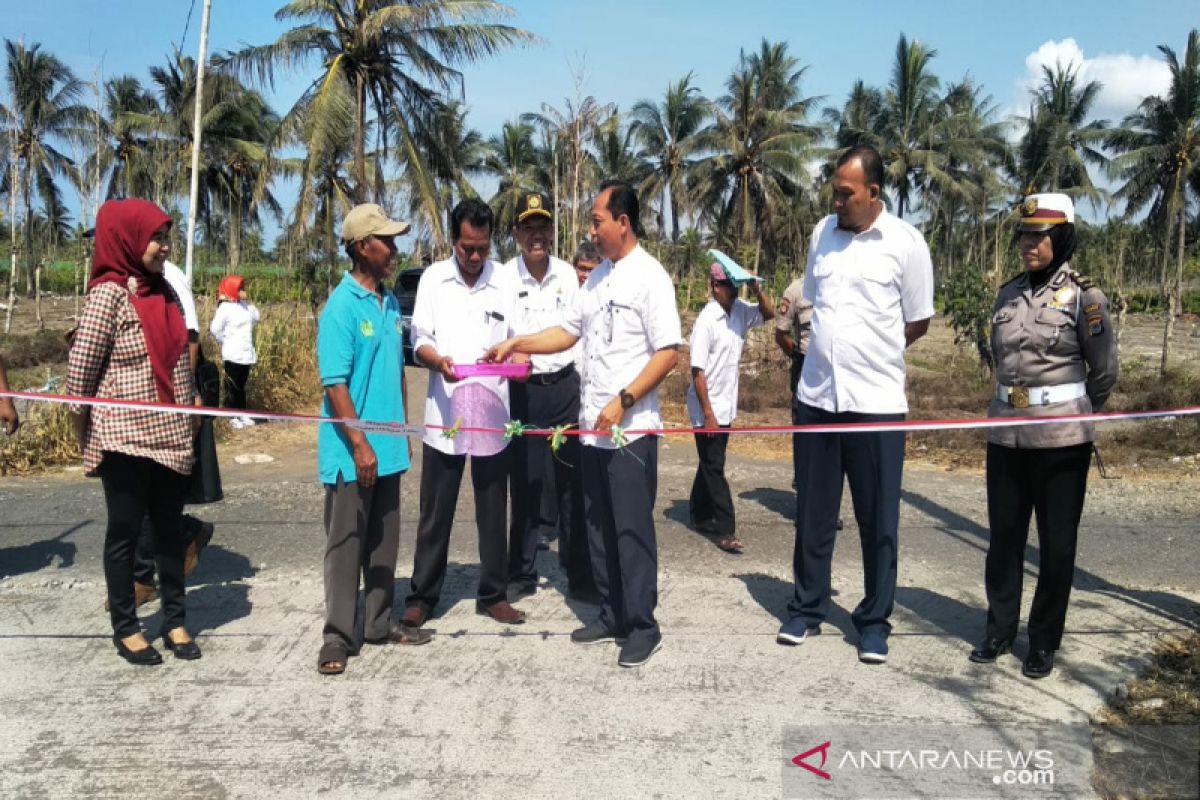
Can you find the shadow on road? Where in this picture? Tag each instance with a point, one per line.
(1168, 606)
(780, 501)
(773, 594)
(945, 613)
(39, 555)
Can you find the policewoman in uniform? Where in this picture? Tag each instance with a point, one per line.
(1055, 355)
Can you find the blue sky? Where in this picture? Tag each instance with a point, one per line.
(627, 50)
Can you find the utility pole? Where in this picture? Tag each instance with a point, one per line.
(197, 116)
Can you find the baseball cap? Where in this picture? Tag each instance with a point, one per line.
(368, 219)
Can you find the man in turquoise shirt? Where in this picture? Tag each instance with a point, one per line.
(362, 372)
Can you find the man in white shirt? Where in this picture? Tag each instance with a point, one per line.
(627, 322)
(716, 354)
(870, 280)
(542, 289)
(461, 310)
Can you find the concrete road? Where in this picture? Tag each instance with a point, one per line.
(488, 711)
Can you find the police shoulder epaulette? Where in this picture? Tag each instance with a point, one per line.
(1082, 281)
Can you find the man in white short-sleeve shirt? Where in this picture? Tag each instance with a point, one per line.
(462, 309)
(870, 280)
(627, 323)
(716, 353)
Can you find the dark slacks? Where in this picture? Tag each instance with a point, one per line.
(143, 554)
(619, 490)
(872, 463)
(236, 377)
(710, 499)
(136, 488)
(362, 537)
(441, 476)
(1051, 482)
(538, 475)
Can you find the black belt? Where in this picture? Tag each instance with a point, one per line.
(547, 378)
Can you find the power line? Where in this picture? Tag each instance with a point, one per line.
(186, 25)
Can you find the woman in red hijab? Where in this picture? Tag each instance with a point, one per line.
(131, 344)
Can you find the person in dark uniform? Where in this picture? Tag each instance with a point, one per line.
(1055, 355)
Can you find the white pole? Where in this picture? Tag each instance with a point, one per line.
(196, 119)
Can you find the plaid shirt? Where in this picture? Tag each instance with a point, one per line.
(109, 359)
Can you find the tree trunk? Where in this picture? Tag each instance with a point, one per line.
(37, 294)
(360, 141)
(1119, 294)
(27, 190)
(1175, 295)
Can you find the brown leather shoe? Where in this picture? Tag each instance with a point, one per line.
(414, 616)
(143, 593)
(502, 612)
(191, 557)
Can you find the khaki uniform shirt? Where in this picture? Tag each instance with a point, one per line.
(795, 315)
(1060, 333)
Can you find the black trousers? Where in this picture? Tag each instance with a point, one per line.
(539, 475)
(619, 490)
(236, 376)
(441, 476)
(1051, 482)
(143, 554)
(710, 499)
(362, 537)
(872, 463)
(135, 488)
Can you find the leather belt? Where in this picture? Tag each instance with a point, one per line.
(1026, 396)
(548, 378)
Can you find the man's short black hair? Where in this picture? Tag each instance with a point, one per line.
(623, 199)
(869, 158)
(474, 211)
(587, 252)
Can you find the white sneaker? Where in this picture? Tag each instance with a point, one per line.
(247, 422)
(236, 423)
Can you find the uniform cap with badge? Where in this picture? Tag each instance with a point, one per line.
(533, 204)
(369, 219)
(1041, 212)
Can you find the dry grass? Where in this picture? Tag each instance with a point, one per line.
(46, 439)
(1166, 693)
(285, 377)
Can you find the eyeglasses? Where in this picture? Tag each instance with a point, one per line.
(161, 237)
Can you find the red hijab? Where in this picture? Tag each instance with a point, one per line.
(124, 229)
(229, 287)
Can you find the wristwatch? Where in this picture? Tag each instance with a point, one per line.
(627, 400)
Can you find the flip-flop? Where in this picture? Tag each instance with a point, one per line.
(332, 658)
(730, 544)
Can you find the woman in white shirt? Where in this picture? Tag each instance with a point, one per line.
(233, 328)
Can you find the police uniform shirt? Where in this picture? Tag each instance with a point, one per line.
(538, 305)
(1055, 335)
(623, 314)
(864, 288)
(716, 348)
(461, 322)
(795, 315)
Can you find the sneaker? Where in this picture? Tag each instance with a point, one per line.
(873, 649)
(596, 633)
(636, 652)
(236, 423)
(794, 631)
(247, 422)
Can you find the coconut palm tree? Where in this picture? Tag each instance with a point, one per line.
(447, 151)
(907, 117)
(666, 131)
(43, 113)
(758, 145)
(512, 159)
(383, 63)
(1159, 162)
(1059, 140)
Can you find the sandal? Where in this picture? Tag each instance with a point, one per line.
(332, 658)
(730, 544)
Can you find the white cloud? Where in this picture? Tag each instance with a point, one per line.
(1126, 78)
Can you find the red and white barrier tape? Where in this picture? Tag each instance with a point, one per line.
(398, 429)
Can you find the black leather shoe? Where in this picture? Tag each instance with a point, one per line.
(1038, 664)
(187, 651)
(990, 650)
(146, 657)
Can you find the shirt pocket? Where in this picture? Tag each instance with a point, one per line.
(1054, 328)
